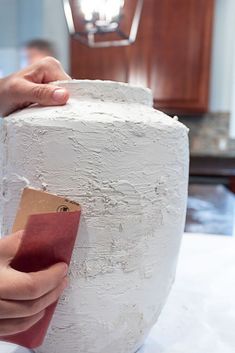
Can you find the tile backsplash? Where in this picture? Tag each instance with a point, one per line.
(209, 135)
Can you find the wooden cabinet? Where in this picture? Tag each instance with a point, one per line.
(171, 55)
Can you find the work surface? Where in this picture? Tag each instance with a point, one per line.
(199, 316)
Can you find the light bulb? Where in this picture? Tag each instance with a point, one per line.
(105, 9)
(87, 8)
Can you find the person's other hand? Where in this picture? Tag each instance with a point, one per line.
(25, 296)
(31, 85)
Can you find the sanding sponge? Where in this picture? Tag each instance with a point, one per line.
(48, 238)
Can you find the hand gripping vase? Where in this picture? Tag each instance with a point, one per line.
(127, 165)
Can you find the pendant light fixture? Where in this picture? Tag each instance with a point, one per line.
(103, 23)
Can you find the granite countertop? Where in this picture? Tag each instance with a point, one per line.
(199, 316)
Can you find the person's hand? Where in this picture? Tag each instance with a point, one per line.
(25, 296)
(31, 86)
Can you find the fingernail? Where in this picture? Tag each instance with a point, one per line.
(59, 95)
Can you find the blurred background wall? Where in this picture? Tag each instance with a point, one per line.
(23, 20)
(213, 133)
(54, 28)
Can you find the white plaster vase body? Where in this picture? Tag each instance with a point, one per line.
(127, 165)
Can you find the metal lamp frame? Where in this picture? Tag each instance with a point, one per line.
(88, 38)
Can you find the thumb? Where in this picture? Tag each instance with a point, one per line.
(44, 94)
(9, 246)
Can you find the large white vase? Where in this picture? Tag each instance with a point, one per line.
(127, 165)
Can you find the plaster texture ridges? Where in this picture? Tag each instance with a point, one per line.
(127, 165)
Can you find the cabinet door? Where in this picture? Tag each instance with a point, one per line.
(171, 55)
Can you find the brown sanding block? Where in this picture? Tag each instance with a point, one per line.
(48, 238)
(36, 202)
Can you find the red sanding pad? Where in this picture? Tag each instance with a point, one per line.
(48, 239)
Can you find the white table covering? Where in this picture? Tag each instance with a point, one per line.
(199, 316)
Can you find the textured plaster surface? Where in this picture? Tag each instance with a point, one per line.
(127, 165)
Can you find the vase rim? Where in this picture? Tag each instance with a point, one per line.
(111, 91)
